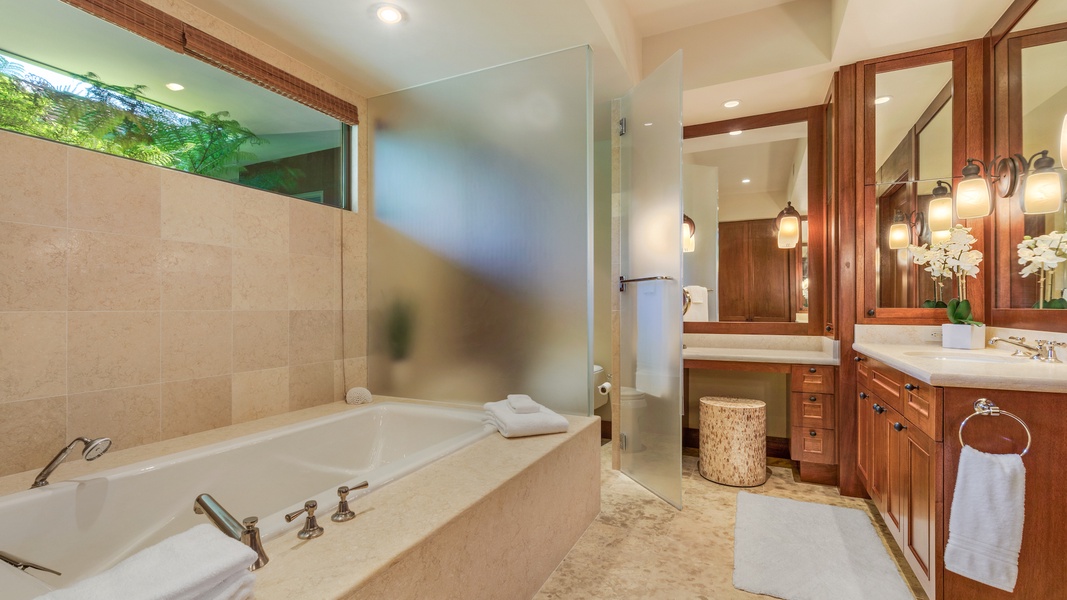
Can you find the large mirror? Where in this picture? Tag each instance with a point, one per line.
(753, 197)
(913, 157)
(1031, 110)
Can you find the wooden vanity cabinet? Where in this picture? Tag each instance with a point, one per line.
(813, 435)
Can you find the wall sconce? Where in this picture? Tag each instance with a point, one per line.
(900, 232)
(689, 234)
(1042, 189)
(940, 210)
(788, 225)
(973, 198)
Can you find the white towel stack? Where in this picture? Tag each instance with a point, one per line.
(511, 423)
(985, 527)
(522, 404)
(698, 307)
(199, 564)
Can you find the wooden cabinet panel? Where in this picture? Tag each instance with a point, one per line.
(887, 385)
(921, 479)
(764, 290)
(814, 411)
(817, 379)
(813, 445)
(864, 423)
(733, 287)
(922, 406)
(892, 424)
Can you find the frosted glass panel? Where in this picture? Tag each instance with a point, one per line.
(651, 311)
(480, 236)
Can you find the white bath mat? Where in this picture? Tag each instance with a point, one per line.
(806, 551)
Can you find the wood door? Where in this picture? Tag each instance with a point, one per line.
(894, 428)
(770, 290)
(733, 280)
(921, 506)
(864, 421)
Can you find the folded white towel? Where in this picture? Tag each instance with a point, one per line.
(511, 424)
(522, 404)
(191, 565)
(985, 527)
(698, 307)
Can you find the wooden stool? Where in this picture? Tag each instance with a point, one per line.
(733, 441)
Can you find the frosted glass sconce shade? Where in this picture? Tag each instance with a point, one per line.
(788, 224)
(1043, 192)
(937, 237)
(689, 234)
(939, 213)
(973, 197)
(899, 236)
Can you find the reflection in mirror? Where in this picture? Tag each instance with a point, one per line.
(736, 185)
(1042, 107)
(913, 175)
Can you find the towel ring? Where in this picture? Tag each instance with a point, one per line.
(983, 406)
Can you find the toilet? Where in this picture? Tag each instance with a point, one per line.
(632, 405)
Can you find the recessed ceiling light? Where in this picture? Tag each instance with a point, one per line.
(735, 132)
(746, 180)
(648, 124)
(387, 13)
(732, 103)
(882, 99)
(175, 87)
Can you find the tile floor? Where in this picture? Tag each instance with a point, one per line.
(640, 547)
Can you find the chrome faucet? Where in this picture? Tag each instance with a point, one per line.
(93, 450)
(1024, 349)
(246, 532)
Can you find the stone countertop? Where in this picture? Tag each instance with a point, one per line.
(1014, 373)
(783, 349)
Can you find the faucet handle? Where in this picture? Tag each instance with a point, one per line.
(1016, 338)
(1051, 357)
(311, 525)
(343, 512)
(250, 537)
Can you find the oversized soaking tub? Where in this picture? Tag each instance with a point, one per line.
(85, 525)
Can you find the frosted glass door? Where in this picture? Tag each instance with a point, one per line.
(651, 306)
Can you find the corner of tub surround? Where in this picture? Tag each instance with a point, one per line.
(492, 520)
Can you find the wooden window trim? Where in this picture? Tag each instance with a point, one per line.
(173, 33)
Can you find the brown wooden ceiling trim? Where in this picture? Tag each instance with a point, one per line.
(155, 25)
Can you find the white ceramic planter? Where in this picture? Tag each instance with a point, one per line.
(962, 336)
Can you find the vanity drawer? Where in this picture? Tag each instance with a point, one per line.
(818, 379)
(863, 371)
(888, 385)
(922, 406)
(813, 445)
(814, 411)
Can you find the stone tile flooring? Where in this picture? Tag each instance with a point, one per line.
(640, 547)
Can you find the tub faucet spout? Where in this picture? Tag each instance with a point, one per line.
(246, 532)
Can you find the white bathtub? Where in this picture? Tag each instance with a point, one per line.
(87, 524)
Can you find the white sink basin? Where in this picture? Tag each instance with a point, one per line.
(980, 357)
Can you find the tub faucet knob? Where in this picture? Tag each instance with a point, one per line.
(311, 525)
(343, 512)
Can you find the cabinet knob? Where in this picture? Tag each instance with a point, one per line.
(899, 427)
(857, 358)
(813, 399)
(829, 328)
(870, 313)
(812, 369)
(813, 433)
(878, 408)
(910, 387)
(863, 395)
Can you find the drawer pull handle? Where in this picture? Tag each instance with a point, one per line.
(910, 387)
(878, 408)
(813, 399)
(812, 369)
(899, 427)
(813, 433)
(863, 395)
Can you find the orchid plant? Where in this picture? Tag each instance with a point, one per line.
(952, 257)
(1041, 255)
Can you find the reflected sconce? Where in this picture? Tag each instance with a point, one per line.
(900, 232)
(689, 234)
(973, 197)
(939, 213)
(1042, 189)
(788, 225)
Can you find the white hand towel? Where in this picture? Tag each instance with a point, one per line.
(522, 404)
(985, 527)
(186, 566)
(238, 586)
(698, 303)
(512, 425)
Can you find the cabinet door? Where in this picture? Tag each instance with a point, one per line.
(895, 429)
(864, 417)
(921, 505)
(770, 297)
(733, 287)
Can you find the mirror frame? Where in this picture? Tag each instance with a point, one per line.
(815, 117)
(1007, 140)
(968, 141)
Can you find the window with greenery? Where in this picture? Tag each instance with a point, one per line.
(217, 125)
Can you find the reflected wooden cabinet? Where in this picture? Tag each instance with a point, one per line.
(759, 286)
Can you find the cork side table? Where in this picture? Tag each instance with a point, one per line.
(733, 441)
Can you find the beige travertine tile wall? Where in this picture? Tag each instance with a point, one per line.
(143, 304)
